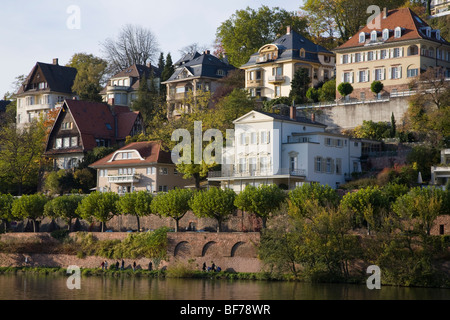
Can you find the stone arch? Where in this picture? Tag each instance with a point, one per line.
(183, 249)
(208, 248)
(235, 249)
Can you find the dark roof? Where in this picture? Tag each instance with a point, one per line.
(287, 118)
(412, 28)
(289, 47)
(58, 78)
(138, 71)
(202, 65)
(150, 151)
(95, 120)
(186, 58)
(3, 105)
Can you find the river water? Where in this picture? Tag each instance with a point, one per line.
(40, 287)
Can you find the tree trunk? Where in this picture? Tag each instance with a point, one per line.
(138, 223)
(176, 224)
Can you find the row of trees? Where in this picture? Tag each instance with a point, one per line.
(366, 208)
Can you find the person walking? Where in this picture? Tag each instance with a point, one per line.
(134, 266)
(150, 266)
(123, 265)
(103, 265)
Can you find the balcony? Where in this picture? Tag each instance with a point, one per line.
(277, 79)
(135, 178)
(117, 88)
(258, 173)
(255, 83)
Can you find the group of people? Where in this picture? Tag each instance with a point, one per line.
(104, 265)
(212, 268)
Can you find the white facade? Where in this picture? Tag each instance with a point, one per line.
(34, 105)
(272, 149)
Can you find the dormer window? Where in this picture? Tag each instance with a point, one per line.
(373, 36)
(362, 37)
(385, 34)
(428, 32)
(302, 53)
(398, 32)
(438, 34)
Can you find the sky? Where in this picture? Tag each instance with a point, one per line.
(39, 31)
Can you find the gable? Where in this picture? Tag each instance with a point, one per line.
(253, 116)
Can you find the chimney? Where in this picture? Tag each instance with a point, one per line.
(207, 52)
(288, 30)
(313, 117)
(149, 64)
(111, 102)
(385, 13)
(56, 61)
(293, 114)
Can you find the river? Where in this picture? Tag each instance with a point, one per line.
(41, 287)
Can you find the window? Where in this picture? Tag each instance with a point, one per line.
(252, 165)
(362, 95)
(264, 137)
(151, 170)
(328, 165)
(163, 171)
(384, 54)
(302, 53)
(243, 139)
(362, 37)
(395, 72)
(66, 142)
(379, 74)
(258, 75)
(385, 34)
(277, 91)
(441, 229)
(397, 52)
(263, 164)
(347, 77)
(345, 58)
(358, 57)
(373, 36)
(74, 141)
(370, 56)
(318, 164)
(328, 141)
(363, 76)
(242, 165)
(338, 166)
(254, 138)
(58, 144)
(398, 32)
(220, 72)
(162, 188)
(149, 188)
(412, 73)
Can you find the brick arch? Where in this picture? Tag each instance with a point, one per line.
(183, 249)
(209, 248)
(237, 248)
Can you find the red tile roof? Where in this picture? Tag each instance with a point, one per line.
(405, 18)
(151, 151)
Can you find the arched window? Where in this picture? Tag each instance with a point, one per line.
(398, 32)
(413, 50)
(373, 36)
(385, 34)
(362, 37)
(424, 51)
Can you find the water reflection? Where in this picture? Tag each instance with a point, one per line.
(36, 287)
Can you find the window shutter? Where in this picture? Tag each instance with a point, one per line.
(400, 72)
(357, 77)
(332, 166)
(401, 52)
(342, 59)
(367, 76)
(342, 77)
(323, 164)
(352, 77)
(374, 74)
(315, 165)
(383, 74)
(390, 73)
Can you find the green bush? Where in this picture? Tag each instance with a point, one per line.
(60, 234)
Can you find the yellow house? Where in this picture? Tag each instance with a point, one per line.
(269, 72)
(393, 48)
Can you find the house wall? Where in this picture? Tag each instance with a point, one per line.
(404, 61)
(147, 181)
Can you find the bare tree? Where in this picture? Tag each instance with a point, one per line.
(134, 45)
(192, 48)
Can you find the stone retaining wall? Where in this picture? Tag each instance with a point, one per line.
(230, 251)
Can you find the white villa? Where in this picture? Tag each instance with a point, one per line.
(288, 151)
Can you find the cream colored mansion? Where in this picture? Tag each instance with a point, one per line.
(396, 47)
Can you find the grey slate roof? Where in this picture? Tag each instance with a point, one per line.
(59, 78)
(287, 118)
(289, 47)
(204, 65)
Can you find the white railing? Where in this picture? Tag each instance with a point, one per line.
(257, 173)
(124, 179)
